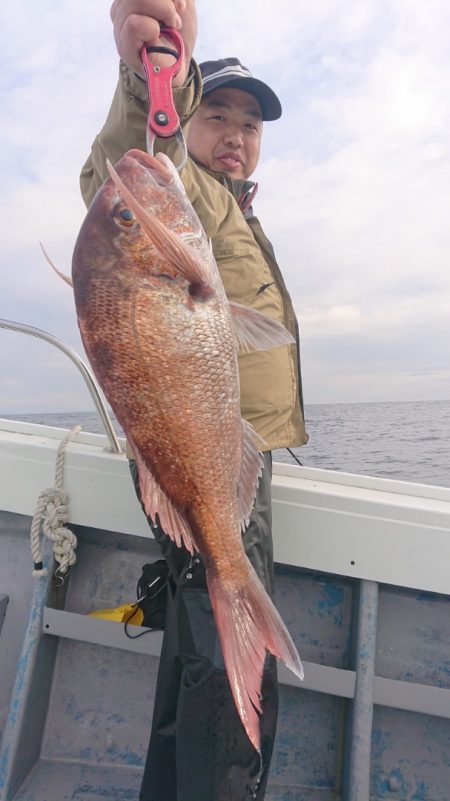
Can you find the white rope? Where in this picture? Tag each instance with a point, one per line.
(52, 511)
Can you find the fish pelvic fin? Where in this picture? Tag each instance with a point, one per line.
(62, 275)
(251, 471)
(255, 331)
(249, 625)
(160, 508)
(181, 256)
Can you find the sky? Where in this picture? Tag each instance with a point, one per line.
(354, 183)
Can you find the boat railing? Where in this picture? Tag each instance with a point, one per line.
(83, 369)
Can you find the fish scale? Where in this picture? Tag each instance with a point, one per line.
(162, 339)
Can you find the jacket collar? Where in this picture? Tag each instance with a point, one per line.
(242, 190)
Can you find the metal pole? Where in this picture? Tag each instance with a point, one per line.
(361, 737)
(82, 367)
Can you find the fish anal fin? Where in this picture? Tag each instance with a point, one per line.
(251, 470)
(254, 330)
(156, 503)
(249, 625)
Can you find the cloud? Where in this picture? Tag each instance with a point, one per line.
(361, 231)
(354, 181)
(54, 95)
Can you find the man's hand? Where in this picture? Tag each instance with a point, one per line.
(137, 22)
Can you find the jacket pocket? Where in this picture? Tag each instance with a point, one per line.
(243, 272)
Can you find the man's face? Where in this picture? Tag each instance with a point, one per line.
(225, 133)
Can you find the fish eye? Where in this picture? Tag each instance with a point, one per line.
(124, 217)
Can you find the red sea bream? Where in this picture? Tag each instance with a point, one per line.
(162, 340)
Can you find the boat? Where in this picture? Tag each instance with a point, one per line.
(362, 581)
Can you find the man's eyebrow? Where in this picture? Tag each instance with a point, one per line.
(220, 104)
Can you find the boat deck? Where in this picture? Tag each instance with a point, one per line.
(362, 582)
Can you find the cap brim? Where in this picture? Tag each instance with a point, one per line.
(270, 105)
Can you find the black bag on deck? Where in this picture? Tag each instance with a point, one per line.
(152, 594)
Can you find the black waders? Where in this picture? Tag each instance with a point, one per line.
(199, 750)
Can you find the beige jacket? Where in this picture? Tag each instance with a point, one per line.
(271, 394)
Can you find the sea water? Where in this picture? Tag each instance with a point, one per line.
(405, 440)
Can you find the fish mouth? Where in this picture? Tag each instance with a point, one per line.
(157, 165)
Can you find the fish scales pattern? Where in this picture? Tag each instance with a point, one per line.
(158, 331)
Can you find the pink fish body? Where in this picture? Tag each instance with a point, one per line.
(162, 340)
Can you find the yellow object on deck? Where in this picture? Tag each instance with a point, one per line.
(130, 613)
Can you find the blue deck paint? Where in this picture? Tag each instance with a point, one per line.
(92, 743)
(362, 709)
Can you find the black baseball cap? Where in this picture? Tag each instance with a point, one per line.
(230, 72)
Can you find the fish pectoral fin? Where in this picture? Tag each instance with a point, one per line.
(182, 257)
(249, 625)
(156, 502)
(254, 330)
(251, 470)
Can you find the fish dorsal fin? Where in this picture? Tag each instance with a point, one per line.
(156, 502)
(254, 330)
(181, 256)
(52, 264)
(251, 470)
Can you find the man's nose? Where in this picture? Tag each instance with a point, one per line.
(234, 136)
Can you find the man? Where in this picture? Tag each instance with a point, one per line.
(198, 748)
(225, 133)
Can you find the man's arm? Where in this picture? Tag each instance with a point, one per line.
(136, 22)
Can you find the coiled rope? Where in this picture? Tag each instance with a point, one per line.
(52, 512)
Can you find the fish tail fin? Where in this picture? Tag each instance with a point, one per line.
(249, 625)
